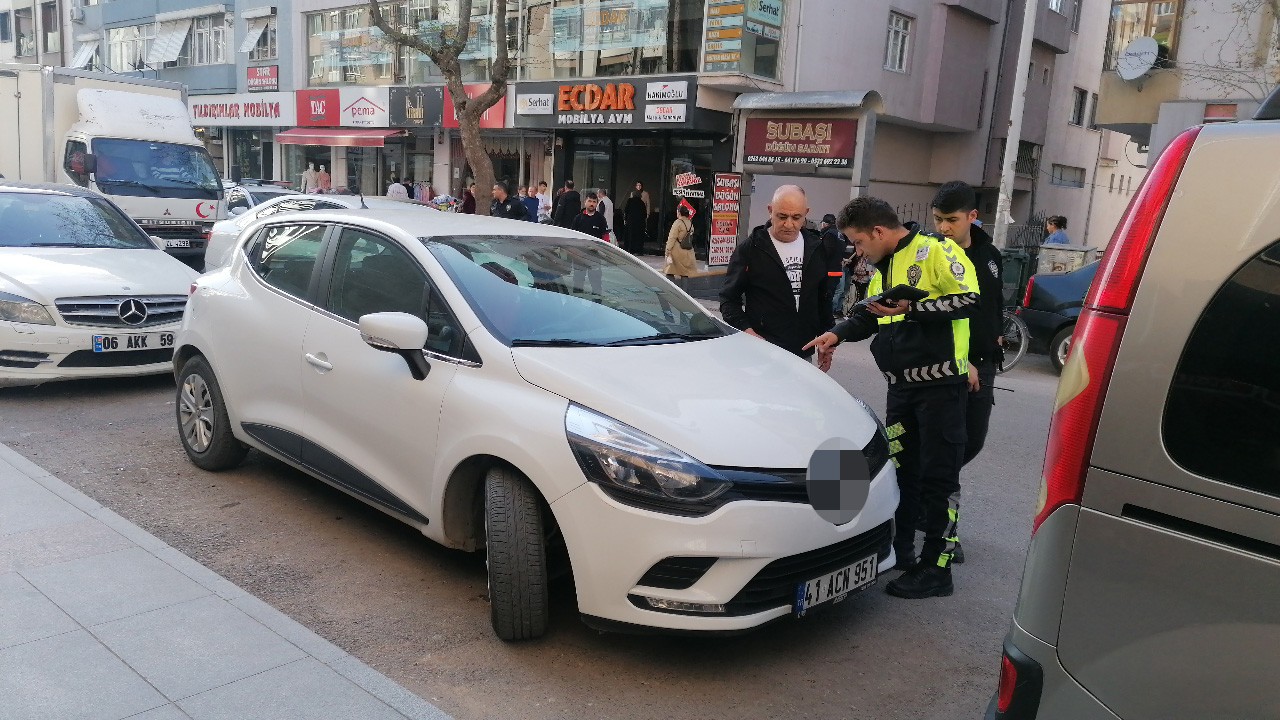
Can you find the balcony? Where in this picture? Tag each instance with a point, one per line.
(1132, 107)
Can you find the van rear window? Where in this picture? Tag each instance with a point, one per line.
(1222, 417)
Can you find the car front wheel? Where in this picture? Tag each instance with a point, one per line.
(516, 556)
(203, 424)
(1060, 346)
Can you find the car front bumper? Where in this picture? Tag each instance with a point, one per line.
(35, 354)
(760, 552)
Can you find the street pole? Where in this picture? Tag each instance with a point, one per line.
(1003, 217)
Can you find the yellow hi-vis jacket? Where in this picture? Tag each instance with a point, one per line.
(930, 342)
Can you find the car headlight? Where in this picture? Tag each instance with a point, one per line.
(15, 308)
(637, 468)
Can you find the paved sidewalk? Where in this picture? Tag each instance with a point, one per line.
(100, 620)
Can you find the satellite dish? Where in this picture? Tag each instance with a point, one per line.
(1138, 58)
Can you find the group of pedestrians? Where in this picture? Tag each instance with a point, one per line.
(938, 354)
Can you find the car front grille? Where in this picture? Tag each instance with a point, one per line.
(677, 573)
(104, 311)
(22, 359)
(775, 585)
(91, 359)
(176, 232)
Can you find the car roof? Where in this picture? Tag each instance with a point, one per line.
(349, 201)
(436, 223)
(44, 188)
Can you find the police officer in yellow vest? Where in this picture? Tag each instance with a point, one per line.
(922, 348)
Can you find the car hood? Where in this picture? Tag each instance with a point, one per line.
(732, 401)
(45, 274)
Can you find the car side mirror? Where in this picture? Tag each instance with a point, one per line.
(237, 211)
(399, 333)
(159, 242)
(90, 163)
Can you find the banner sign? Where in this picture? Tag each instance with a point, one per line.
(726, 202)
(265, 78)
(416, 106)
(605, 103)
(242, 110)
(807, 141)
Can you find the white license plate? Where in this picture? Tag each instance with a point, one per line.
(177, 243)
(125, 343)
(835, 586)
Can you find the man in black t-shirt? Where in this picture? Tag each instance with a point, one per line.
(592, 223)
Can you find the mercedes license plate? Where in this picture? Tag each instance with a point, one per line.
(140, 341)
(835, 586)
(177, 243)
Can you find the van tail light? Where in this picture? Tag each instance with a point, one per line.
(1026, 297)
(1021, 684)
(1096, 338)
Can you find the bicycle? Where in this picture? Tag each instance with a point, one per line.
(1016, 339)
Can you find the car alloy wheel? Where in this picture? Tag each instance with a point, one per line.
(1060, 347)
(203, 424)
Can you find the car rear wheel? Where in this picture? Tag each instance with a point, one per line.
(516, 556)
(1060, 346)
(203, 424)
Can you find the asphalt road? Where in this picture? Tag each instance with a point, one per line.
(418, 613)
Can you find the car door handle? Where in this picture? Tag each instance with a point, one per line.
(318, 361)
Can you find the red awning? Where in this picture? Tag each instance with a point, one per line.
(336, 137)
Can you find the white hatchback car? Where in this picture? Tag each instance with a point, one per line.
(530, 391)
(83, 291)
(217, 252)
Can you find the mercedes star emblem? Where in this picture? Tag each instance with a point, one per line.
(133, 312)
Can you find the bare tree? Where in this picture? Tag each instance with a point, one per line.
(1244, 59)
(444, 49)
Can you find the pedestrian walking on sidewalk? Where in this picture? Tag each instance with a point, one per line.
(922, 347)
(592, 223)
(681, 263)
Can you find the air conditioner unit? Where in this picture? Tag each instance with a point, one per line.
(77, 14)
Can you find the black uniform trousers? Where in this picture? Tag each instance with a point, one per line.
(978, 414)
(927, 434)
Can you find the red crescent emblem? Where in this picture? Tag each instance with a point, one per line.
(200, 209)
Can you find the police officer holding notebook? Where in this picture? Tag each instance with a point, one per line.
(918, 307)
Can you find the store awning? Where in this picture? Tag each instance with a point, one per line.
(84, 54)
(253, 32)
(336, 137)
(169, 41)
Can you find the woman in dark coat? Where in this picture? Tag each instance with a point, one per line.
(636, 218)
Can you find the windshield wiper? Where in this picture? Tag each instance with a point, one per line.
(130, 183)
(552, 342)
(665, 336)
(62, 245)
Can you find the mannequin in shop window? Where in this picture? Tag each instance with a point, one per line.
(310, 179)
(323, 182)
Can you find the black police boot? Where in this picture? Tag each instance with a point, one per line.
(923, 581)
(957, 557)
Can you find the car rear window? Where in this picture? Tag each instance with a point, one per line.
(1222, 418)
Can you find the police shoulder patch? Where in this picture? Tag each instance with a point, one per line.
(913, 275)
(995, 269)
(957, 269)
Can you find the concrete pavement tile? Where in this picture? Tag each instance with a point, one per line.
(70, 494)
(290, 629)
(23, 465)
(26, 615)
(224, 588)
(164, 712)
(57, 544)
(114, 585)
(383, 688)
(140, 537)
(28, 505)
(302, 690)
(195, 646)
(68, 677)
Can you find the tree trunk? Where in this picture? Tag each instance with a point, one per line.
(478, 159)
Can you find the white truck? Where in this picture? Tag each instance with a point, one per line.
(127, 138)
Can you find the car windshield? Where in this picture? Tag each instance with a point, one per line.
(155, 169)
(53, 220)
(538, 291)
